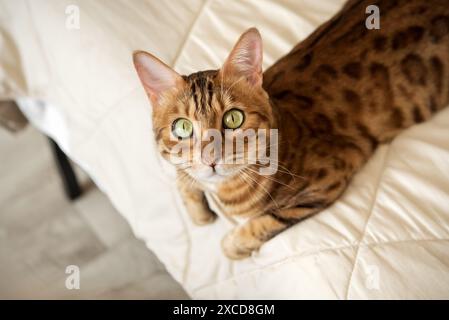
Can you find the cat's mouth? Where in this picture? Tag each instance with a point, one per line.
(215, 174)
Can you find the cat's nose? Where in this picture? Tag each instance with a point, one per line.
(209, 161)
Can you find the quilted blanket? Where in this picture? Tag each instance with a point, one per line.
(68, 64)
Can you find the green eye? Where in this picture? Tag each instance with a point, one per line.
(233, 119)
(182, 128)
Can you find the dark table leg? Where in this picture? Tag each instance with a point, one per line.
(69, 180)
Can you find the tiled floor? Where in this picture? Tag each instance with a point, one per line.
(41, 233)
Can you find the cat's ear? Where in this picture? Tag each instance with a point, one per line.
(245, 59)
(156, 76)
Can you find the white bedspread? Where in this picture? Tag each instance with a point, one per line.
(387, 237)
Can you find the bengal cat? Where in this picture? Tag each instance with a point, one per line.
(334, 98)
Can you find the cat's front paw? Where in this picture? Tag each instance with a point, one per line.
(203, 217)
(235, 246)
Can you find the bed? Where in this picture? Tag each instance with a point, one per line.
(387, 237)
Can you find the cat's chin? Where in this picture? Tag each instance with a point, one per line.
(214, 178)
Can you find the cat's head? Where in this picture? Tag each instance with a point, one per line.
(195, 116)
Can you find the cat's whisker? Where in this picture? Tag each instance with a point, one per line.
(270, 178)
(260, 185)
(183, 166)
(251, 196)
(186, 178)
(285, 170)
(282, 169)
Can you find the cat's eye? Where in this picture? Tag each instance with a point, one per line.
(233, 119)
(182, 128)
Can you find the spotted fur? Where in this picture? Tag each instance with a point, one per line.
(334, 98)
